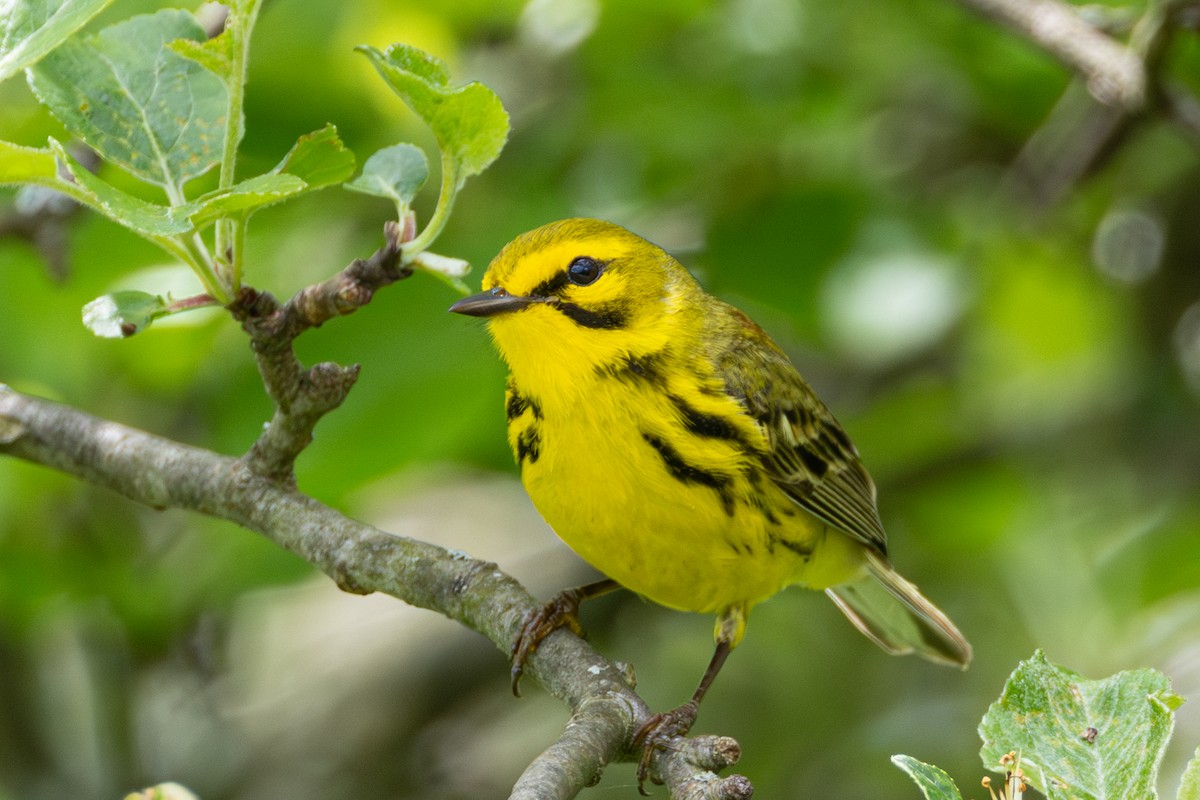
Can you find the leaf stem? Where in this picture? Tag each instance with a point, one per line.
(450, 186)
(237, 246)
(194, 253)
(231, 234)
(188, 303)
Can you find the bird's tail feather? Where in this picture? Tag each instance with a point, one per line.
(912, 625)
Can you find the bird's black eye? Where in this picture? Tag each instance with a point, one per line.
(584, 271)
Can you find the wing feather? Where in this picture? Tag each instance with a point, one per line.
(809, 456)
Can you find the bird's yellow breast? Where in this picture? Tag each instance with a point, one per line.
(652, 474)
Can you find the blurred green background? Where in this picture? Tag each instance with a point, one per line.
(1022, 378)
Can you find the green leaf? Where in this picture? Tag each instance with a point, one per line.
(316, 160)
(29, 29)
(122, 314)
(421, 65)
(1189, 787)
(397, 172)
(136, 102)
(934, 783)
(319, 159)
(245, 198)
(470, 122)
(226, 56)
(215, 54)
(1080, 738)
(150, 219)
(26, 164)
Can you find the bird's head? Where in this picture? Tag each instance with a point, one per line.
(581, 290)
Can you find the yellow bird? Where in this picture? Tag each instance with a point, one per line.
(672, 445)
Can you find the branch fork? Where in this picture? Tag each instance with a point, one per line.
(302, 395)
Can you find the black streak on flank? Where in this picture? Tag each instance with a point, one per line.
(799, 549)
(687, 473)
(602, 318)
(529, 445)
(636, 369)
(518, 404)
(768, 513)
(707, 425)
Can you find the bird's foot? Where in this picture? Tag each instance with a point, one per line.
(560, 612)
(656, 734)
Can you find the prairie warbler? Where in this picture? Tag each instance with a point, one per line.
(673, 445)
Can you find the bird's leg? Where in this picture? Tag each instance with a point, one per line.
(656, 732)
(561, 612)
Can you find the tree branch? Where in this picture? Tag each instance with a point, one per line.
(1114, 74)
(1076, 139)
(165, 474)
(1123, 80)
(302, 396)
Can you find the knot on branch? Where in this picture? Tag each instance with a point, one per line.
(325, 385)
(690, 766)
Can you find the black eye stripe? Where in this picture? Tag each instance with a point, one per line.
(550, 287)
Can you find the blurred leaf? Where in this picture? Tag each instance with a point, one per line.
(150, 219)
(1079, 738)
(122, 314)
(136, 102)
(164, 791)
(470, 122)
(19, 164)
(1189, 787)
(319, 159)
(935, 784)
(29, 29)
(397, 172)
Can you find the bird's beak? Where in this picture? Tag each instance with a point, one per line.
(492, 302)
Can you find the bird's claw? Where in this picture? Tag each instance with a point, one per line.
(656, 734)
(560, 612)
